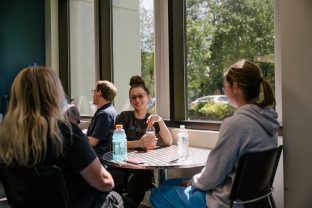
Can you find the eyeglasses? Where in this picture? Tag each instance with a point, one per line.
(134, 97)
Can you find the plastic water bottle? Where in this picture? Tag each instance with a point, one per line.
(150, 128)
(183, 143)
(119, 144)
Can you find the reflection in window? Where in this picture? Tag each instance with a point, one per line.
(133, 48)
(218, 34)
(82, 54)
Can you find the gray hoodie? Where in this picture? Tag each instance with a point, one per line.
(250, 129)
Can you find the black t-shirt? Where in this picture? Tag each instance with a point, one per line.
(78, 154)
(134, 128)
(101, 127)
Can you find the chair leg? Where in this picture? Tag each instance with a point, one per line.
(271, 201)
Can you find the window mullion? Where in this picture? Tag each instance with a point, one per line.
(177, 59)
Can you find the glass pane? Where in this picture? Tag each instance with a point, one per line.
(219, 33)
(82, 54)
(133, 36)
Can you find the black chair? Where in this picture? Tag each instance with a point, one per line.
(253, 182)
(34, 187)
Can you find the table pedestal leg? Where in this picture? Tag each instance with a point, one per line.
(162, 175)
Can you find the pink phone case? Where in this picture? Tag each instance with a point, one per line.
(134, 160)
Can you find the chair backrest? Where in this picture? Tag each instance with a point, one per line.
(255, 174)
(34, 187)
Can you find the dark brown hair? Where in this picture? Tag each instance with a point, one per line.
(108, 89)
(137, 81)
(248, 77)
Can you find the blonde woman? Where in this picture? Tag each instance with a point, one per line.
(35, 133)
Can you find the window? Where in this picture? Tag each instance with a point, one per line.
(133, 48)
(196, 42)
(219, 33)
(82, 54)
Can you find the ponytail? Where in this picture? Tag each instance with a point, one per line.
(268, 95)
(248, 77)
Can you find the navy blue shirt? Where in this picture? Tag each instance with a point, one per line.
(101, 127)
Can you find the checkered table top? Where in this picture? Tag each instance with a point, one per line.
(163, 157)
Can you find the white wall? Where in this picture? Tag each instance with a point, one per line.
(126, 44)
(296, 57)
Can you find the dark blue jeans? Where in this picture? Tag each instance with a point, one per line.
(171, 194)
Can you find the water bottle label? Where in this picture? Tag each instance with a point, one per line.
(116, 148)
(183, 137)
(120, 150)
(150, 132)
(182, 146)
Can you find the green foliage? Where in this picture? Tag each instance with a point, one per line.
(147, 48)
(219, 33)
(211, 111)
(147, 64)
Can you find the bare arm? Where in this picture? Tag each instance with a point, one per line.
(146, 140)
(134, 144)
(93, 141)
(165, 133)
(97, 177)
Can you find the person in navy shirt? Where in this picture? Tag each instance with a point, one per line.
(101, 126)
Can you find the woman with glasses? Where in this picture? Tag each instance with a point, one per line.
(135, 124)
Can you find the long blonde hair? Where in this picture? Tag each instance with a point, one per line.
(30, 123)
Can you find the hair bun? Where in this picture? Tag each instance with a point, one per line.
(136, 80)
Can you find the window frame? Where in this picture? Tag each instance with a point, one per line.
(103, 32)
(64, 47)
(177, 57)
(177, 71)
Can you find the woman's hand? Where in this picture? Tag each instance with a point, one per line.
(153, 118)
(149, 141)
(163, 130)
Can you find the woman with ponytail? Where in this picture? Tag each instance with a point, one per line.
(252, 128)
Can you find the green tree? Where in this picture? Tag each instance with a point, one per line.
(220, 32)
(147, 47)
